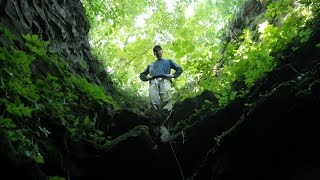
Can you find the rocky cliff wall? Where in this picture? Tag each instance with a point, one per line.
(64, 24)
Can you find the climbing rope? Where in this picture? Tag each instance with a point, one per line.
(175, 156)
(162, 125)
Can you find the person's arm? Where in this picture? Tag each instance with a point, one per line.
(178, 69)
(144, 75)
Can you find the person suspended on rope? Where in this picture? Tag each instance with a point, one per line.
(158, 73)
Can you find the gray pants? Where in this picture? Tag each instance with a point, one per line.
(160, 94)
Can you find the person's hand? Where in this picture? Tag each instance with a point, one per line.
(169, 75)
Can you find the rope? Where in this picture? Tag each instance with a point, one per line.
(167, 118)
(161, 125)
(175, 156)
(176, 159)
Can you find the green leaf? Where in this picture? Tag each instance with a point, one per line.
(7, 123)
(38, 158)
(76, 122)
(86, 120)
(100, 133)
(56, 178)
(19, 109)
(180, 54)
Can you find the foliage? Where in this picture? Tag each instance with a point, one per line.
(123, 39)
(33, 100)
(56, 178)
(123, 33)
(123, 42)
(250, 57)
(92, 90)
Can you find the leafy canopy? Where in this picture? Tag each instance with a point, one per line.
(193, 34)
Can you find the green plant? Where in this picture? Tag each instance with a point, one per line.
(31, 100)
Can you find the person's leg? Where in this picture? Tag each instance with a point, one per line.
(155, 118)
(154, 94)
(166, 95)
(155, 115)
(166, 107)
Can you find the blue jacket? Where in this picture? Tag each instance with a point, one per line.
(159, 68)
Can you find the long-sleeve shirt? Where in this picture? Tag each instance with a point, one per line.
(160, 68)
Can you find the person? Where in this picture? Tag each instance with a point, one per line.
(158, 73)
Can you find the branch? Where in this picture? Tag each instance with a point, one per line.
(144, 52)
